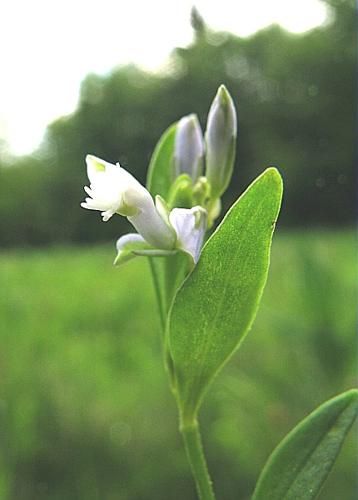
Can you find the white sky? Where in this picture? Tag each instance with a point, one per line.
(48, 46)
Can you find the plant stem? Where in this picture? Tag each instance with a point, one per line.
(195, 453)
(188, 428)
(161, 307)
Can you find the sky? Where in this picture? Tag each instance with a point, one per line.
(47, 47)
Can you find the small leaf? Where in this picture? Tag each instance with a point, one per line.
(160, 170)
(299, 465)
(217, 304)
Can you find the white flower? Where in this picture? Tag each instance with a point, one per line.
(108, 184)
(114, 190)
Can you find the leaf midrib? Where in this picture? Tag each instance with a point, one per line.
(213, 323)
(309, 455)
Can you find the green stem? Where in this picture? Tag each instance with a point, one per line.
(155, 277)
(189, 429)
(195, 453)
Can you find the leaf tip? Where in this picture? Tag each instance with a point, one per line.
(351, 395)
(273, 174)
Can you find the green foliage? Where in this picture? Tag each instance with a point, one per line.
(299, 465)
(85, 411)
(216, 306)
(160, 170)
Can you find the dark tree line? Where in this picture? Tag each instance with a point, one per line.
(296, 102)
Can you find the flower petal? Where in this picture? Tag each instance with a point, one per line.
(154, 228)
(155, 252)
(94, 167)
(126, 245)
(133, 245)
(190, 226)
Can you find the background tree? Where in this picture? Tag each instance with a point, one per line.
(295, 96)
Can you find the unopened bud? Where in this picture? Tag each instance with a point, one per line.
(201, 191)
(181, 192)
(220, 137)
(189, 148)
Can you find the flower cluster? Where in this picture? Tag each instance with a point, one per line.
(165, 227)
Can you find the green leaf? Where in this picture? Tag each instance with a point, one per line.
(160, 170)
(217, 304)
(301, 462)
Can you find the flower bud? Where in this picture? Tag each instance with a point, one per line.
(181, 192)
(220, 137)
(201, 191)
(189, 148)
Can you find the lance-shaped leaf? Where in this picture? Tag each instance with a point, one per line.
(301, 462)
(217, 304)
(160, 171)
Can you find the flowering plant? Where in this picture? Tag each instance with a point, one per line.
(209, 291)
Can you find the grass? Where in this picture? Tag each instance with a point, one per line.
(85, 412)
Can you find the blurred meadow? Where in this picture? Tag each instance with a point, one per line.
(85, 409)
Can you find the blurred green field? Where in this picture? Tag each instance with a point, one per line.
(85, 411)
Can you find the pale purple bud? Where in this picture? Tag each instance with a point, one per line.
(189, 148)
(220, 138)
